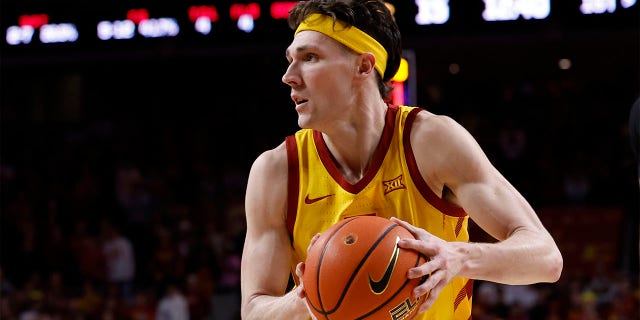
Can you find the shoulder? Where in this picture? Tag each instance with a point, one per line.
(269, 168)
(437, 129)
(272, 159)
(445, 150)
(267, 186)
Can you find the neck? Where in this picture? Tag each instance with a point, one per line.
(354, 142)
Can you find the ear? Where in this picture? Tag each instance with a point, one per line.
(366, 63)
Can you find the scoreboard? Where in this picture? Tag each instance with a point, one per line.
(34, 28)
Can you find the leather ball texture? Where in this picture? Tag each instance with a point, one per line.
(355, 270)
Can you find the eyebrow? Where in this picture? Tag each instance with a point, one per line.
(298, 49)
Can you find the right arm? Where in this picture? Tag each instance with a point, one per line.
(267, 253)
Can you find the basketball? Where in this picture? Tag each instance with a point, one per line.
(355, 270)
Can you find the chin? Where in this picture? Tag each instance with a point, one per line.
(303, 125)
(304, 121)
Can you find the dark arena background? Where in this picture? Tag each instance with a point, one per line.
(129, 127)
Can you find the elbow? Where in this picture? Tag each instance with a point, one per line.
(244, 311)
(554, 267)
(246, 305)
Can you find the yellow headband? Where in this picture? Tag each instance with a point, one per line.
(352, 37)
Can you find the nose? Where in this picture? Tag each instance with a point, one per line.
(290, 77)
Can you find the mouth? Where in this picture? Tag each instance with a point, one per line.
(298, 101)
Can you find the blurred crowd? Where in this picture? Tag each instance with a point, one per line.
(146, 256)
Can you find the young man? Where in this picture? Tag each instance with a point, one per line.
(357, 155)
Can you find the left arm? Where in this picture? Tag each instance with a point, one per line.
(525, 253)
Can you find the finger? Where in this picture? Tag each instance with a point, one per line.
(423, 246)
(426, 286)
(300, 292)
(430, 290)
(300, 287)
(431, 297)
(313, 241)
(300, 270)
(423, 270)
(406, 225)
(311, 314)
(426, 269)
(417, 233)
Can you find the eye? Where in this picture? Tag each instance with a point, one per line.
(310, 57)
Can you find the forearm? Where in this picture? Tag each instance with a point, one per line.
(289, 306)
(524, 258)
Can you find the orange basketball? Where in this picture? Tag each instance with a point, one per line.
(355, 270)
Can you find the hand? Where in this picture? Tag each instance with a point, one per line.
(300, 289)
(443, 264)
(299, 273)
(300, 269)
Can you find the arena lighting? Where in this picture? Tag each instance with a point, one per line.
(403, 71)
(280, 9)
(432, 12)
(23, 32)
(202, 25)
(57, 33)
(245, 14)
(509, 10)
(137, 15)
(78, 26)
(209, 12)
(597, 6)
(139, 19)
(404, 81)
(153, 27)
(19, 35)
(159, 27)
(238, 10)
(120, 29)
(397, 95)
(33, 20)
(246, 23)
(48, 32)
(202, 17)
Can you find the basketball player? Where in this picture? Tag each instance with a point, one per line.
(357, 155)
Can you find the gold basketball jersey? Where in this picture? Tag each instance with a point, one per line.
(319, 196)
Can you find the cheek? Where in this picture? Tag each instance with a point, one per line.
(331, 90)
(332, 83)
(331, 80)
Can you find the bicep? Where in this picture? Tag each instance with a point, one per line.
(496, 206)
(267, 250)
(477, 186)
(265, 263)
(487, 196)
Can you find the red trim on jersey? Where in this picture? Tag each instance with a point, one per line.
(293, 182)
(444, 207)
(376, 162)
(465, 292)
(459, 225)
(462, 295)
(469, 288)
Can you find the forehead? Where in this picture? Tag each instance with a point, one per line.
(308, 40)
